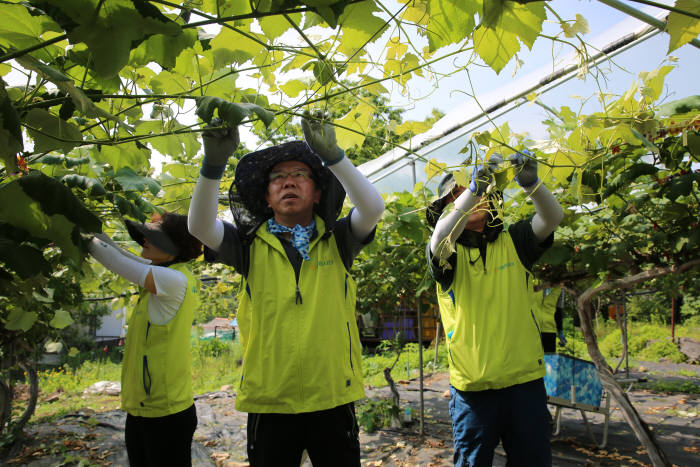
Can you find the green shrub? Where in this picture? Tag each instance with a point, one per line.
(75, 380)
(638, 336)
(685, 387)
(690, 311)
(211, 348)
(373, 365)
(215, 363)
(662, 349)
(375, 414)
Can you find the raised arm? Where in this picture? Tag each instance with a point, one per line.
(369, 205)
(452, 225)
(120, 262)
(202, 223)
(548, 211)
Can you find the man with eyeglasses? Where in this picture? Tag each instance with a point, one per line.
(301, 348)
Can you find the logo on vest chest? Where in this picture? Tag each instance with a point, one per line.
(504, 266)
(320, 264)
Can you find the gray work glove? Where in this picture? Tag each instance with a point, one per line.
(320, 136)
(482, 175)
(525, 165)
(219, 143)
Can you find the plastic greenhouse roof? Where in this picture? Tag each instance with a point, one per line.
(393, 171)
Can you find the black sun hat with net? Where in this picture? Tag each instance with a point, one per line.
(247, 193)
(435, 209)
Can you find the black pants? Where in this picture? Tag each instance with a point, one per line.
(331, 437)
(161, 440)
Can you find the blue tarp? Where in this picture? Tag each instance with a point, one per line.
(564, 372)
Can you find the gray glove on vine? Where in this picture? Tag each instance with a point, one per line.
(525, 165)
(482, 175)
(320, 136)
(219, 143)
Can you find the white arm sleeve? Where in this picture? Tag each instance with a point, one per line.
(369, 205)
(110, 257)
(452, 225)
(171, 286)
(548, 212)
(105, 238)
(201, 218)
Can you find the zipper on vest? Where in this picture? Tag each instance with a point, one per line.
(539, 334)
(482, 250)
(298, 300)
(352, 367)
(146, 376)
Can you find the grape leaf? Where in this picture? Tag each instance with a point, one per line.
(10, 131)
(496, 40)
(23, 259)
(231, 112)
(683, 28)
(20, 320)
(51, 133)
(61, 319)
(450, 21)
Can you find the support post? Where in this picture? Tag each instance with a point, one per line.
(437, 342)
(420, 363)
(673, 319)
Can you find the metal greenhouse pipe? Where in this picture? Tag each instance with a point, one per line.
(550, 81)
(640, 15)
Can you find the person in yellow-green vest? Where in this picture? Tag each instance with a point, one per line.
(301, 348)
(156, 377)
(482, 271)
(549, 303)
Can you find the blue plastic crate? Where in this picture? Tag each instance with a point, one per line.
(564, 372)
(405, 326)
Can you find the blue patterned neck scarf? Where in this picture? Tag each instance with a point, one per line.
(300, 236)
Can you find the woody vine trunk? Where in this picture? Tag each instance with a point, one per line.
(583, 305)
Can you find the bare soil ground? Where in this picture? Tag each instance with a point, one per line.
(97, 437)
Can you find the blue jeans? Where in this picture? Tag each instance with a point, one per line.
(516, 415)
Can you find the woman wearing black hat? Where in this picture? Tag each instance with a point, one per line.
(301, 348)
(156, 377)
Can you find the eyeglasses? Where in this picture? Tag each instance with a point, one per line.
(297, 175)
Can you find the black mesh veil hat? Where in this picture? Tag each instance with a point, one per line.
(247, 193)
(445, 187)
(434, 211)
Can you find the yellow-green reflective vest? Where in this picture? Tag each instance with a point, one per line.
(492, 335)
(301, 346)
(156, 375)
(544, 305)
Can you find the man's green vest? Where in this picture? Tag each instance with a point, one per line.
(544, 305)
(156, 375)
(492, 334)
(301, 346)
